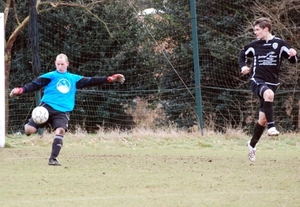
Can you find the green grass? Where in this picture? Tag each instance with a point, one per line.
(150, 169)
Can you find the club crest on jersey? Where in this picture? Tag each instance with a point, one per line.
(63, 86)
(275, 45)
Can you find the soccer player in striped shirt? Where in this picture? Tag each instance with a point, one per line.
(267, 52)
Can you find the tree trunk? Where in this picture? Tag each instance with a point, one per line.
(7, 72)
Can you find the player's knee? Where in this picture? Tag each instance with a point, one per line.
(29, 129)
(60, 131)
(262, 121)
(269, 95)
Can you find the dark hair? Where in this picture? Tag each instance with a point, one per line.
(263, 22)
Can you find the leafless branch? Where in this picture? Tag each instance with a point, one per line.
(86, 7)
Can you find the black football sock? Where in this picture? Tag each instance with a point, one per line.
(56, 146)
(268, 108)
(258, 131)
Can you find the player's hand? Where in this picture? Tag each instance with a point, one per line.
(245, 70)
(292, 52)
(16, 91)
(116, 78)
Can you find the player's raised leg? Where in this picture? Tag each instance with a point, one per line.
(29, 129)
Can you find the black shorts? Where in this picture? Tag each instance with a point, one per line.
(258, 89)
(56, 119)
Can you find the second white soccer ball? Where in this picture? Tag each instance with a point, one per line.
(40, 115)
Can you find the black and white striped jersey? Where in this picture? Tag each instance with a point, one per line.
(267, 57)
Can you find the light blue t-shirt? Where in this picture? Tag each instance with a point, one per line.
(60, 92)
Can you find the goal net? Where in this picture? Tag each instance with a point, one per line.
(153, 49)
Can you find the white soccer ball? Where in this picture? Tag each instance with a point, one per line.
(40, 115)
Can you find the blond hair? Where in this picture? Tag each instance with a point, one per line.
(62, 56)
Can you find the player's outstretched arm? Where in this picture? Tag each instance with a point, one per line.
(96, 81)
(33, 86)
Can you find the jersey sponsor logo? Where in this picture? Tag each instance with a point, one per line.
(63, 85)
(268, 59)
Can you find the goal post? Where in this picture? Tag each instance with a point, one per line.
(2, 87)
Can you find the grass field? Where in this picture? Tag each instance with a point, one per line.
(150, 169)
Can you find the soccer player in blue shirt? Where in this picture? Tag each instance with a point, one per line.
(60, 88)
(267, 52)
